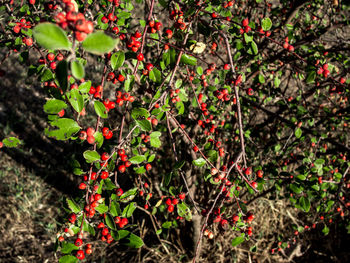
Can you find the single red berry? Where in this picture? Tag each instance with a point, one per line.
(82, 186)
(80, 254)
(140, 57)
(245, 22)
(119, 191)
(78, 242)
(90, 139)
(195, 148)
(175, 201)
(148, 167)
(50, 56)
(105, 231)
(170, 208)
(101, 225)
(104, 175)
(260, 173)
(182, 196)
(151, 23)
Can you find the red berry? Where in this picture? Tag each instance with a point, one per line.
(260, 173)
(148, 167)
(245, 22)
(50, 56)
(82, 186)
(119, 191)
(104, 175)
(170, 208)
(105, 231)
(140, 57)
(78, 242)
(121, 168)
(182, 196)
(80, 255)
(90, 139)
(227, 66)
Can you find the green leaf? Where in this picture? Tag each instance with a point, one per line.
(115, 209)
(73, 206)
(51, 36)
(65, 129)
(117, 60)
(325, 230)
(68, 259)
(129, 209)
(145, 125)
(110, 222)
(77, 69)
(298, 133)
(319, 162)
(254, 47)
(98, 43)
(68, 247)
(128, 194)
(62, 74)
(100, 109)
(199, 162)
(154, 139)
(85, 86)
(167, 179)
(188, 60)
(296, 189)
(179, 164)
(133, 241)
(102, 208)
(184, 211)
(76, 100)
(261, 78)
(99, 139)
(46, 75)
(238, 240)
(91, 156)
(155, 75)
(266, 24)
(54, 106)
(311, 77)
(167, 224)
(137, 159)
(11, 142)
(138, 113)
(305, 203)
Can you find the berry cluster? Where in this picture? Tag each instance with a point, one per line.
(73, 20)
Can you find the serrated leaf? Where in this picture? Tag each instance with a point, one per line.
(77, 69)
(51, 36)
(91, 156)
(117, 60)
(100, 109)
(98, 43)
(54, 106)
(73, 206)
